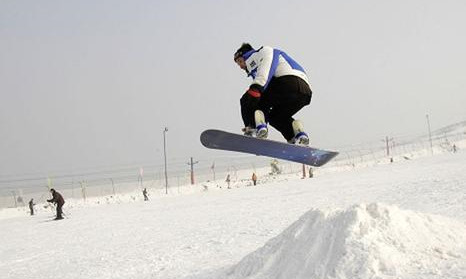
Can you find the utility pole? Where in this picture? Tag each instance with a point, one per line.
(213, 170)
(387, 142)
(140, 178)
(83, 189)
(72, 187)
(165, 158)
(113, 186)
(430, 135)
(14, 197)
(191, 163)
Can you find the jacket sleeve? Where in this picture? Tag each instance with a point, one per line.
(54, 198)
(266, 66)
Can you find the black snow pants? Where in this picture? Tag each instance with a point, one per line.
(59, 211)
(283, 98)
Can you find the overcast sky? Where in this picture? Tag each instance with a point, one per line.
(93, 83)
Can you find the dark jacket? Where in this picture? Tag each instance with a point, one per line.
(57, 198)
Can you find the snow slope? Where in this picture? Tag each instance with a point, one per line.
(400, 220)
(363, 241)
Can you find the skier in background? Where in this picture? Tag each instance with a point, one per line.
(254, 178)
(227, 180)
(31, 206)
(57, 199)
(280, 88)
(144, 192)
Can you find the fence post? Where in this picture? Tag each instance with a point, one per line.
(14, 197)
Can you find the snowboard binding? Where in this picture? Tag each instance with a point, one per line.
(260, 131)
(261, 126)
(300, 138)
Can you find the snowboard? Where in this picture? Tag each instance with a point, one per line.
(217, 139)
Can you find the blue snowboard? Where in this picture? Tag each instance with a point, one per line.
(217, 139)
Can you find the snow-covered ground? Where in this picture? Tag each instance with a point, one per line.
(400, 220)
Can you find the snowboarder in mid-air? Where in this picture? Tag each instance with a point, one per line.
(280, 88)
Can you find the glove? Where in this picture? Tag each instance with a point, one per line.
(255, 90)
(253, 93)
(248, 131)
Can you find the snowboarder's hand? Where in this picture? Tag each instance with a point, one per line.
(255, 90)
(254, 93)
(250, 99)
(248, 131)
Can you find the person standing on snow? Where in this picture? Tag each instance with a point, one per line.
(280, 88)
(57, 198)
(31, 206)
(254, 178)
(144, 193)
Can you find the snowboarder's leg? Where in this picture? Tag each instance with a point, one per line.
(282, 124)
(253, 117)
(281, 117)
(249, 105)
(287, 96)
(300, 137)
(261, 125)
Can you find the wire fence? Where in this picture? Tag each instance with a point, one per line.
(17, 191)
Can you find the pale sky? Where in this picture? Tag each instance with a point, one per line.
(85, 84)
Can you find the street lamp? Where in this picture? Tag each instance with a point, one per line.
(113, 186)
(165, 158)
(430, 135)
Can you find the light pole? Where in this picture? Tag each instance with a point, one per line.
(113, 187)
(191, 163)
(430, 135)
(165, 158)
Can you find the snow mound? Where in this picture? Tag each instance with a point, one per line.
(364, 241)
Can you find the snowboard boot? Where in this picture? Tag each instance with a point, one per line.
(300, 138)
(261, 126)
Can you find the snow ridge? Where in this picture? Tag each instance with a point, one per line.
(364, 241)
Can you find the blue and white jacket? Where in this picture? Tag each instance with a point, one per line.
(268, 62)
